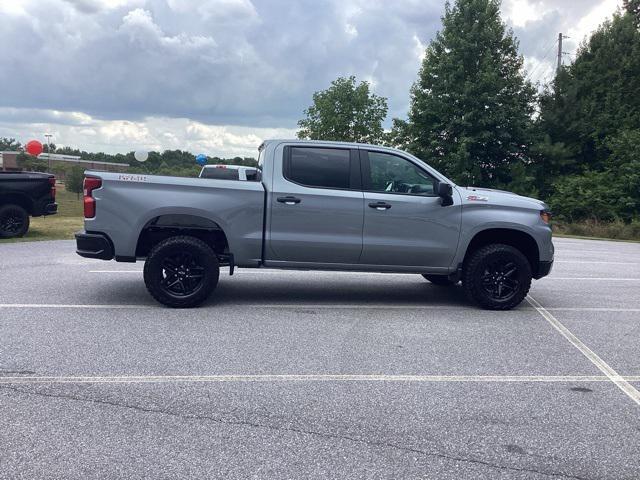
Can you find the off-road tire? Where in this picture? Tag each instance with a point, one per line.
(14, 221)
(164, 272)
(482, 275)
(440, 280)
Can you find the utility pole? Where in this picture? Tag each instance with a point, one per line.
(560, 37)
(48, 136)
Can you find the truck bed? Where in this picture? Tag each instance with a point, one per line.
(128, 203)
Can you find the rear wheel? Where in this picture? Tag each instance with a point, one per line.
(497, 277)
(440, 280)
(14, 221)
(181, 272)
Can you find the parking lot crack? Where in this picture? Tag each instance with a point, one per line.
(302, 431)
(6, 371)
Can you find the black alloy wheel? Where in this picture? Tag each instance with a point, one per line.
(497, 277)
(14, 221)
(181, 271)
(500, 280)
(182, 274)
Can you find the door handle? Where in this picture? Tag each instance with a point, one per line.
(380, 205)
(289, 200)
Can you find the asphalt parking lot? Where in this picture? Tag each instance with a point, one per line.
(318, 375)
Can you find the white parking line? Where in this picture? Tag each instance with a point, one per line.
(593, 309)
(312, 378)
(603, 366)
(596, 262)
(615, 279)
(115, 271)
(317, 306)
(67, 305)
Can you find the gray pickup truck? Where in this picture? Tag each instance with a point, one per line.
(319, 206)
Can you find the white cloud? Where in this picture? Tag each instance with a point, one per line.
(234, 11)
(223, 74)
(519, 12)
(593, 19)
(153, 133)
(95, 6)
(14, 8)
(140, 27)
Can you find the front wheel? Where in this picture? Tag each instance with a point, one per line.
(497, 277)
(181, 272)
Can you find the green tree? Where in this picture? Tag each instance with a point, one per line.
(587, 196)
(74, 179)
(596, 96)
(9, 144)
(633, 8)
(623, 167)
(471, 107)
(59, 169)
(345, 112)
(31, 163)
(589, 124)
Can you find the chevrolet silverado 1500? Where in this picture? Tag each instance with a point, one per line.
(319, 206)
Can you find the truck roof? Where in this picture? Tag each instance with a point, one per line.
(397, 151)
(330, 142)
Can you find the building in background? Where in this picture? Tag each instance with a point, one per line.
(68, 161)
(9, 162)
(59, 163)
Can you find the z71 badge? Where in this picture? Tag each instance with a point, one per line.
(477, 198)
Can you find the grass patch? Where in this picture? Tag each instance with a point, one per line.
(599, 230)
(69, 204)
(61, 226)
(50, 228)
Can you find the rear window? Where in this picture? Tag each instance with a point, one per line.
(319, 167)
(221, 173)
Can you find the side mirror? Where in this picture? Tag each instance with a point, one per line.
(445, 191)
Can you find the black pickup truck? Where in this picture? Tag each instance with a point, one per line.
(24, 194)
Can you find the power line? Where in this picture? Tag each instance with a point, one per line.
(537, 67)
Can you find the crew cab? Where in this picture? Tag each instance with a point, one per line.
(24, 194)
(319, 206)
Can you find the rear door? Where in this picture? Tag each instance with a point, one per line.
(316, 206)
(405, 223)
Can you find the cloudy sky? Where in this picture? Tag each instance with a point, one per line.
(217, 76)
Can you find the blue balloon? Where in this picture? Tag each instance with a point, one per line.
(201, 159)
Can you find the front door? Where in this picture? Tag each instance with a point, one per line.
(316, 206)
(405, 223)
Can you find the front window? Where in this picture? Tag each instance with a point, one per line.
(394, 174)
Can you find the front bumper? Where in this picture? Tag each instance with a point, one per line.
(544, 269)
(94, 245)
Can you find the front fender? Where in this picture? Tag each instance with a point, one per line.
(476, 219)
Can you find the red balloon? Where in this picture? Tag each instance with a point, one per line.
(34, 147)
